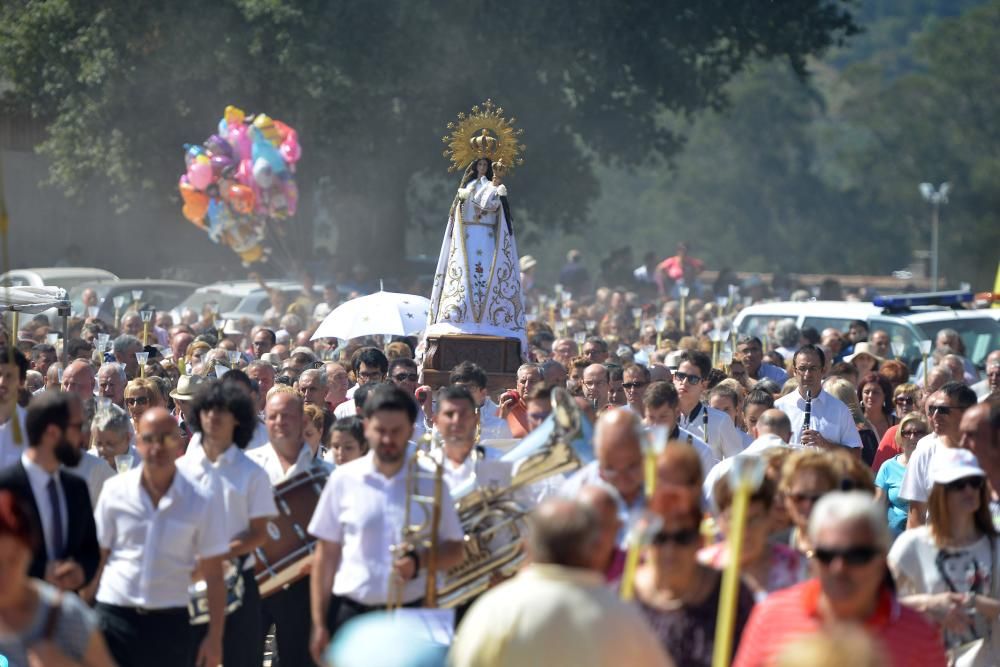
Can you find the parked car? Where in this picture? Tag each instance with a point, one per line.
(907, 318)
(66, 277)
(147, 293)
(236, 298)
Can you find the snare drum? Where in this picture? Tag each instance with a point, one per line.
(283, 559)
(198, 593)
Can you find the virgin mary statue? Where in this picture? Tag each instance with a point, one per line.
(477, 284)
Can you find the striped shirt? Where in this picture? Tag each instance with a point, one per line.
(906, 637)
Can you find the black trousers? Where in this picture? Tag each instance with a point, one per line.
(242, 625)
(288, 610)
(342, 610)
(161, 638)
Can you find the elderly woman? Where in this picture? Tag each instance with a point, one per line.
(765, 567)
(875, 396)
(678, 595)
(946, 569)
(890, 476)
(906, 398)
(112, 437)
(806, 476)
(142, 394)
(39, 625)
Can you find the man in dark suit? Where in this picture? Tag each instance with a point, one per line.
(58, 502)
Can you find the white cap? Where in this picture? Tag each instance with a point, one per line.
(952, 463)
(673, 359)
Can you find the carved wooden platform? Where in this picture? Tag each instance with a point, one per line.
(499, 357)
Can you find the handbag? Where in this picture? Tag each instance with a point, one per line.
(985, 651)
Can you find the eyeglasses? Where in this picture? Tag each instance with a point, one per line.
(403, 377)
(799, 498)
(686, 377)
(370, 376)
(633, 385)
(137, 400)
(913, 433)
(681, 538)
(853, 556)
(803, 370)
(943, 410)
(975, 483)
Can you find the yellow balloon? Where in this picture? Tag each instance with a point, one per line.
(233, 115)
(204, 159)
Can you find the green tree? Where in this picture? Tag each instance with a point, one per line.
(369, 86)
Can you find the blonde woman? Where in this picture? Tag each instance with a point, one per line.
(890, 476)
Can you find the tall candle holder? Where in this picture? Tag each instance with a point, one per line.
(147, 317)
(142, 358)
(119, 301)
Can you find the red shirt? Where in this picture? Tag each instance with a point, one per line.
(886, 448)
(906, 637)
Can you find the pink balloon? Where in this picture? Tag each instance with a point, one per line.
(239, 139)
(290, 151)
(200, 175)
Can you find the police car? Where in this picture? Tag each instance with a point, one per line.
(907, 318)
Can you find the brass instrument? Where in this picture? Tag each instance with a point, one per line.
(493, 519)
(422, 534)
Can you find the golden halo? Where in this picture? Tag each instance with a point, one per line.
(465, 144)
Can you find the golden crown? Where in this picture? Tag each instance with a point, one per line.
(483, 133)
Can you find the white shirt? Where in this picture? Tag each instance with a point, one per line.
(756, 448)
(245, 487)
(267, 459)
(39, 480)
(258, 439)
(457, 473)
(10, 452)
(829, 416)
(346, 409)
(723, 437)
(95, 471)
(492, 426)
(916, 484)
(153, 549)
(362, 510)
(590, 475)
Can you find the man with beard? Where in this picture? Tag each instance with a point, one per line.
(58, 503)
(359, 519)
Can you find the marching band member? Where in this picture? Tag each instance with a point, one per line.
(660, 405)
(286, 455)
(691, 381)
(359, 519)
(226, 419)
(152, 525)
(455, 422)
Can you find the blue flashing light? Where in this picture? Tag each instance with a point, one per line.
(907, 301)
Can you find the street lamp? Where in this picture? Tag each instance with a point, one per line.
(935, 198)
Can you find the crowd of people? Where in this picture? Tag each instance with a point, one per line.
(126, 477)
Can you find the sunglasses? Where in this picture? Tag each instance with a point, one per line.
(799, 498)
(633, 385)
(961, 484)
(137, 400)
(904, 401)
(851, 556)
(914, 433)
(681, 538)
(403, 377)
(943, 410)
(686, 377)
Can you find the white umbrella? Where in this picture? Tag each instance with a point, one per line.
(388, 313)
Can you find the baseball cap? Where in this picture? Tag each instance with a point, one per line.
(950, 463)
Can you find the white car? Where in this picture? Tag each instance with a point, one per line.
(235, 299)
(66, 277)
(908, 319)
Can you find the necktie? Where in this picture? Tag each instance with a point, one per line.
(57, 519)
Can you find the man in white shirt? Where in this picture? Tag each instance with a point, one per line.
(945, 408)
(223, 414)
(287, 454)
(661, 408)
(154, 527)
(830, 421)
(370, 366)
(455, 423)
(773, 430)
(491, 425)
(690, 380)
(359, 519)
(13, 371)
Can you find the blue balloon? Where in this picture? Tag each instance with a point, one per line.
(262, 148)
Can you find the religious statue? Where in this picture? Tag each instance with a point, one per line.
(477, 284)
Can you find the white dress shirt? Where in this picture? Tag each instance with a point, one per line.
(723, 437)
(492, 426)
(590, 475)
(346, 409)
(10, 451)
(756, 448)
(95, 471)
(153, 549)
(828, 415)
(245, 487)
(457, 473)
(39, 480)
(267, 459)
(362, 510)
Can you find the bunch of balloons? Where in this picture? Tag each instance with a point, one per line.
(241, 180)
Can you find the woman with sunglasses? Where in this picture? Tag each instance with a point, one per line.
(890, 476)
(906, 398)
(946, 569)
(678, 595)
(806, 476)
(141, 394)
(765, 566)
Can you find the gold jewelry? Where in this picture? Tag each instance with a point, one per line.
(484, 133)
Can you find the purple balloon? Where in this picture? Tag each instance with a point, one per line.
(219, 146)
(221, 164)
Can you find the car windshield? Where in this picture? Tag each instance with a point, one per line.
(76, 293)
(198, 300)
(980, 335)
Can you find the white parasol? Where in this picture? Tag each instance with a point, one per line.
(388, 313)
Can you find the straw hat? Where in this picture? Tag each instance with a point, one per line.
(863, 348)
(187, 387)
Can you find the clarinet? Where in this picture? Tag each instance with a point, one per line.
(704, 423)
(809, 406)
